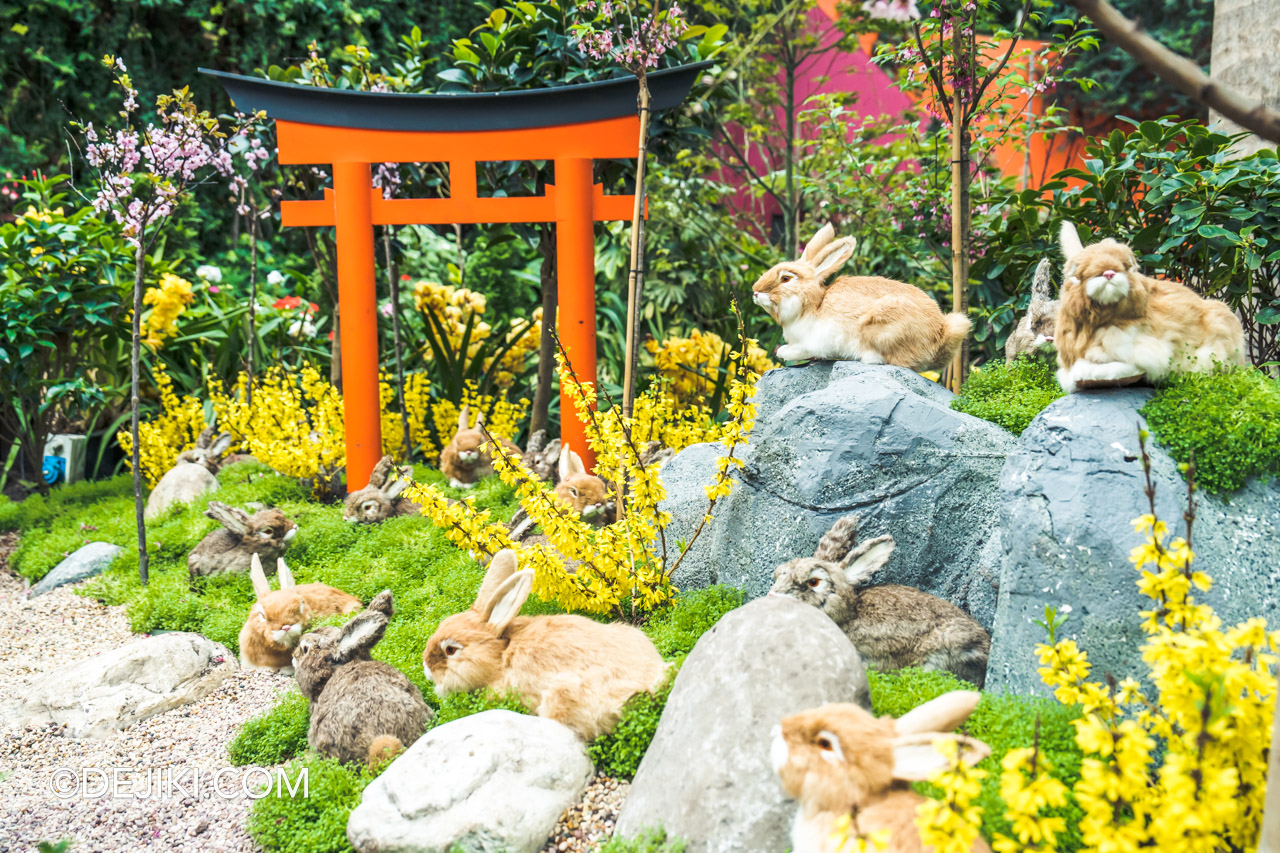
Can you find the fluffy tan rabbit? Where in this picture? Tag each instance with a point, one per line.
(277, 620)
(265, 534)
(858, 318)
(568, 668)
(839, 760)
(1035, 332)
(466, 459)
(584, 493)
(382, 498)
(1116, 325)
(891, 626)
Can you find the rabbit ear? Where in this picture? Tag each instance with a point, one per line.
(378, 476)
(259, 578)
(570, 463)
(834, 256)
(839, 540)
(942, 714)
(359, 635)
(863, 561)
(818, 243)
(235, 520)
(464, 419)
(916, 757)
(203, 439)
(283, 573)
(1042, 285)
(479, 421)
(397, 486)
(502, 566)
(222, 445)
(1069, 239)
(507, 600)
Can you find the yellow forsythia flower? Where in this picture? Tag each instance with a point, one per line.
(162, 438)
(167, 300)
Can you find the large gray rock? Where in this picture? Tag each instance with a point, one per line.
(495, 781)
(833, 439)
(111, 691)
(85, 562)
(706, 776)
(1068, 494)
(183, 483)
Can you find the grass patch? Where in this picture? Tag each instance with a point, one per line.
(675, 629)
(619, 752)
(1009, 394)
(317, 822)
(1228, 419)
(652, 841)
(273, 737)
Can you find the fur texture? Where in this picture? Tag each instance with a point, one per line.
(277, 620)
(382, 498)
(568, 668)
(838, 759)
(583, 493)
(467, 458)
(870, 319)
(362, 710)
(1035, 332)
(265, 534)
(208, 451)
(1116, 325)
(541, 456)
(891, 626)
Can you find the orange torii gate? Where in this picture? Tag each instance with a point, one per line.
(569, 125)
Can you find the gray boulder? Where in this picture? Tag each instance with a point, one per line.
(183, 483)
(1068, 494)
(494, 781)
(114, 690)
(85, 562)
(706, 777)
(839, 438)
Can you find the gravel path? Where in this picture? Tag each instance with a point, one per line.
(587, 825)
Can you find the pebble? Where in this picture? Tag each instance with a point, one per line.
(588, 824)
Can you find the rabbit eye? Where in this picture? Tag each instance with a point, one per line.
(824, 743)
(813, 583)
(450, 648)
(786, 277)
(573, 491)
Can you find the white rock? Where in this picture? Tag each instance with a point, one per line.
(495, 781)
(182, 483)
(116, 689)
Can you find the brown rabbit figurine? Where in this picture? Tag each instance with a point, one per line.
(891, 626)
(1035, 331)
(362, 710)
(838, 761)
(466, 459)
(571, 669)
(278, 618)
(266, 534)
(584, 493)
(382, 498)
(857, 318)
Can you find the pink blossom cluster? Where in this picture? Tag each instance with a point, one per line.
(637, 43)
(892, 10)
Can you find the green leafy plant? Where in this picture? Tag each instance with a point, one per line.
(455, 706)
(675, 629)
(273, 737)
(317, 822)
(619, 752)
(650, 841)
(1010, 395)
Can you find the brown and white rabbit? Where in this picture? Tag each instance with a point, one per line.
(891, 626)
(858, 318)
(265, 534)
(583, 493)
(571, 669)
(381, 499)
(278, 618)
(466, 459)
(1116, 325)
(1035, 331)
(362, 710)
(839, 760)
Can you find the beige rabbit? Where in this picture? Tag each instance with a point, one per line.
(856, 318)
(891, 626)
(584, 493)
(839, 760)
(571, 669)
(467, 458)
(277, 620)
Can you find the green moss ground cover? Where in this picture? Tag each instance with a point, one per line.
(1009, 394)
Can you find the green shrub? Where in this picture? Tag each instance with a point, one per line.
(675, 629)
(619, 752)
(1009, 395)
(652, 841)
(273, 737)
(317, 822)
(1229, 420)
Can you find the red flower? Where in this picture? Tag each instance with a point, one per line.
(315, 309)
(404, 278)
(287, 302)
(331, 336)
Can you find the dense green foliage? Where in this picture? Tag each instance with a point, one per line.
(618, 752)
(1228, 421)
(675, 629)
(455, 706)
(273, 737)
(1010, 395)
(652, 841)
(317, 822)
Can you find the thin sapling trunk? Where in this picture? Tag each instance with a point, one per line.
(395, 338)
(139, 272)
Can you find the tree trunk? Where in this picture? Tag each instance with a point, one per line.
(1244, 58)
(139, 271)
(635, 277)
(541, 417)
(1269, 842)
(387, 233)
(253, 306)
(335, 350)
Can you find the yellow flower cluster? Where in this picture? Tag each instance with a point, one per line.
(846, 838)
(950, 824)
(1027, 790)
(162, 438)
(45, 216)
(167, 301)
(655, 417)
(457, 307)
(503, 417)
(429, 419)
(695, 366)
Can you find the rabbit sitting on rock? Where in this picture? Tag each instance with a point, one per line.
(381, 499)
(467, 458)
(191, 475)
(839, 761)
(277, 620)
(362, 710)
(891, 626)
(265, 534)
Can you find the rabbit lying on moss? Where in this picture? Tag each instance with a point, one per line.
(231, 548)
(382, 498)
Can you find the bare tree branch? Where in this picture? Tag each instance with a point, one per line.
(1180, 72)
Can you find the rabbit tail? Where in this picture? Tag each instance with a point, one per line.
(383, 748)
(955, 328)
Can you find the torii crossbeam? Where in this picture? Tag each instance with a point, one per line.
(568, 125)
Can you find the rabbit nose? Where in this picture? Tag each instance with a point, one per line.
(1109, 274)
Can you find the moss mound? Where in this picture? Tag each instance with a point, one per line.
(1009, 394)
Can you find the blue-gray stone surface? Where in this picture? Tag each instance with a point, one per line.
(85, 562)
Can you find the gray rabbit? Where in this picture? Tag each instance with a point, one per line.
(1034, 333)
(230, 549)
(891, 626)
(382, 498)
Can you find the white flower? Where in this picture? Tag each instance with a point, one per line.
(305, 328)
(209, 273)
(275, 277)
(892, 10)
